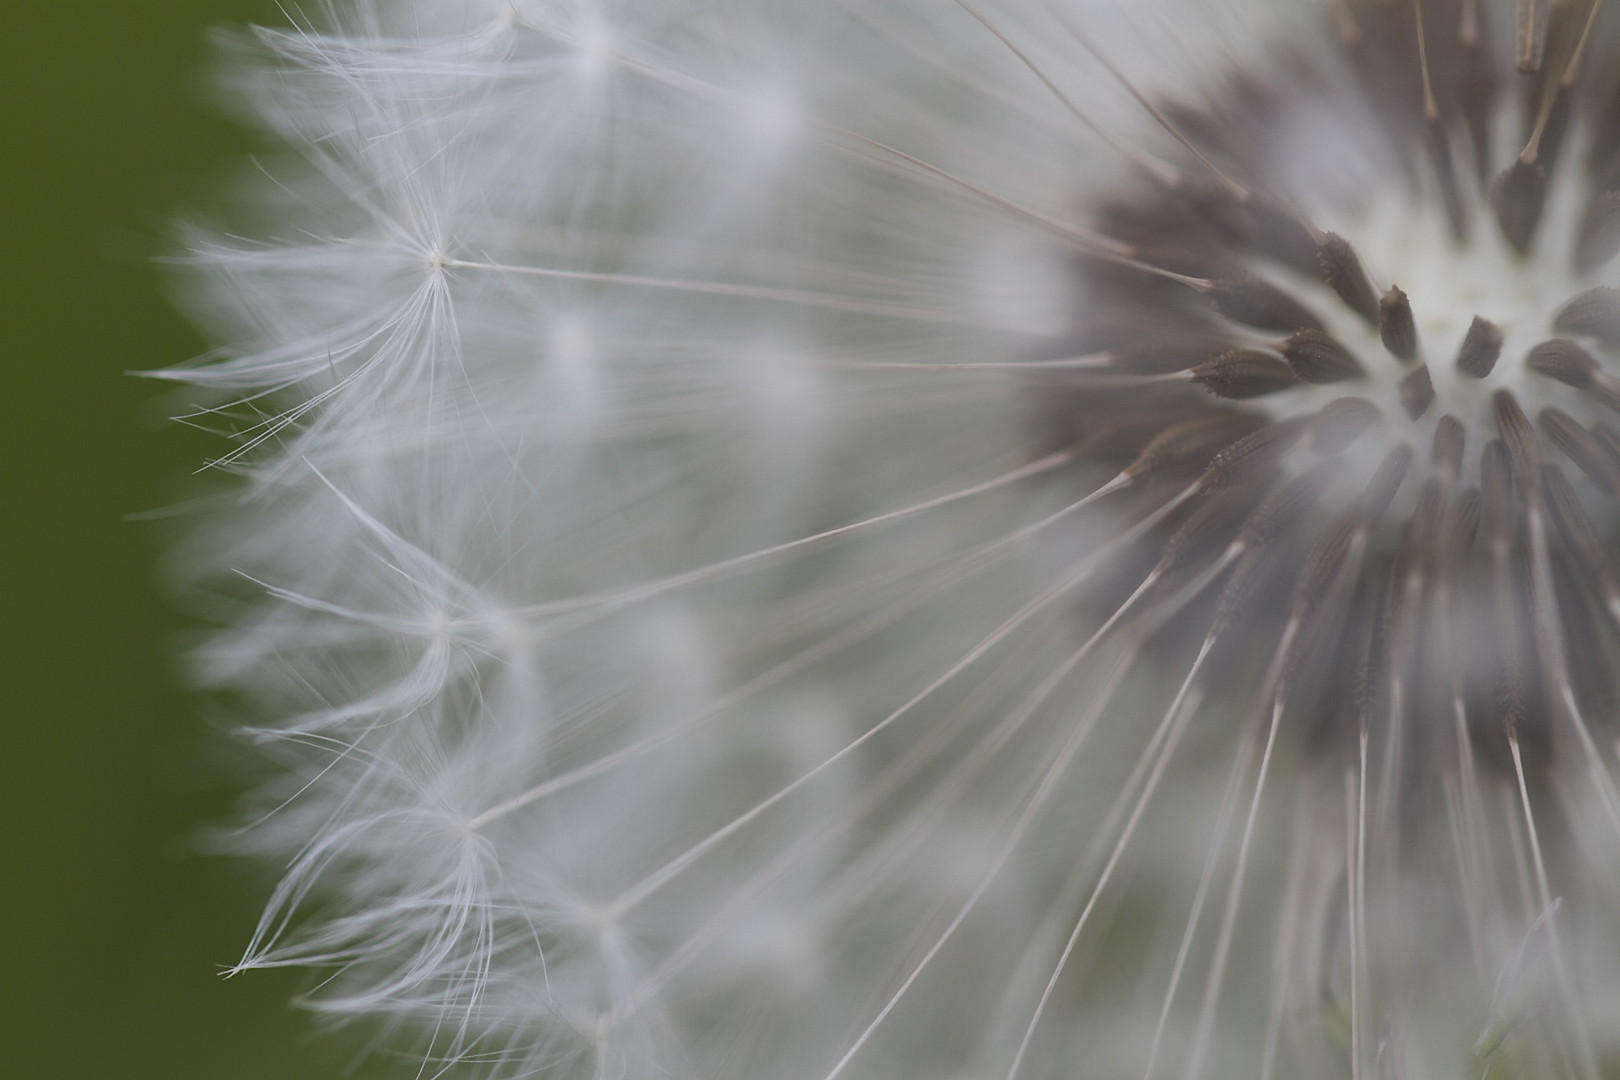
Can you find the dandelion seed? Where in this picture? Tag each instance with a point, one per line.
(979, 540)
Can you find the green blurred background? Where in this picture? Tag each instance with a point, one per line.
(112, 929)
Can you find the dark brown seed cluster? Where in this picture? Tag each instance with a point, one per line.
(1415, 529)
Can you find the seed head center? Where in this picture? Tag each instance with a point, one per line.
(1459, 290)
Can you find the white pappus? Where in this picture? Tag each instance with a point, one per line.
(907, 538)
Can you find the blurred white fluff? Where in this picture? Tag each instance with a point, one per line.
(568, 315)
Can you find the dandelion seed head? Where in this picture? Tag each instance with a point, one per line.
(981, 540)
